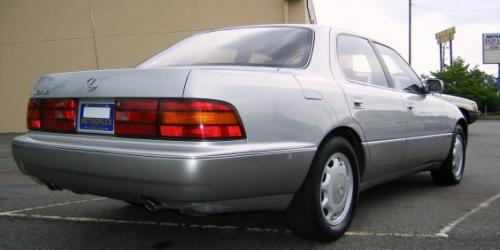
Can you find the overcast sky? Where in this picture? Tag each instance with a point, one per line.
(387, 22)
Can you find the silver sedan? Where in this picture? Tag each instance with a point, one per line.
(294, 118)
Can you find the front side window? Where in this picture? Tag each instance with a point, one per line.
(402, 75)
(358, 61)
(282, 47)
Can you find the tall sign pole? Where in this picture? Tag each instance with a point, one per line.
(451, 52)
(443, 37)
(441, 57)
(409, 32)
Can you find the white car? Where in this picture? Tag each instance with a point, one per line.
(467, 107)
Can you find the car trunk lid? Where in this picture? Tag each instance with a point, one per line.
(159, 83)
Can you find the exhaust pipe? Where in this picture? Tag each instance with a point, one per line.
(153, 205)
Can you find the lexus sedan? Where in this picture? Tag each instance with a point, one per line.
(293, 118)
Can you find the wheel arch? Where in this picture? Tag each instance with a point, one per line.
(464, 124)
(466, 115)
(352, 137)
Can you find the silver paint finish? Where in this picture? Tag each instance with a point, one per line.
(167, 178)
(286, 114)
(427, 117)
(381, 114)
(115, 83)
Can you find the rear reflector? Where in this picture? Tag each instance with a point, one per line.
(52, 115)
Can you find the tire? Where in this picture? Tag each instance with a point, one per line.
(327, 180)
(452, 170)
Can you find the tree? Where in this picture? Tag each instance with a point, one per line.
(471, 83)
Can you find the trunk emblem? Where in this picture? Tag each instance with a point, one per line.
(92, 84)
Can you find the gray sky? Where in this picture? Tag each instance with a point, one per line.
(387, 22)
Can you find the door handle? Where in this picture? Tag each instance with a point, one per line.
(357, 103)
(410, 106)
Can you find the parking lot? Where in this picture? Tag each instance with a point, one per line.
(408, 213)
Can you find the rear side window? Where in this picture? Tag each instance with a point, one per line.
(359, 62)
(283, 47)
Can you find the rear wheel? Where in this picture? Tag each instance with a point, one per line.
(323, 207)
(452, 170)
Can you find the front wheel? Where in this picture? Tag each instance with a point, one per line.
(323, 207)
(452, 169)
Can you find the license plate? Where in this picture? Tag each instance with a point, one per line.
(96, 117)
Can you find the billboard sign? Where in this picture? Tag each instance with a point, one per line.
(491, 48)
(446, 35)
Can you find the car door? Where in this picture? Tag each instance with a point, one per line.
(426, 125)
(376, 107)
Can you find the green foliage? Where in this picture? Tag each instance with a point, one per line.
(471, 83)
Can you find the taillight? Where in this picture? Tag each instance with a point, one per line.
(34, 117)
(59, 115)
(136, 117)
(194, 119)
(147, 118)
(177, 119)
(52, 115)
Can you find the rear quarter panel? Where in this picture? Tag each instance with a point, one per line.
(270, 104)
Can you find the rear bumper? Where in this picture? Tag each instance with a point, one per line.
(473, 116)
(216, 178)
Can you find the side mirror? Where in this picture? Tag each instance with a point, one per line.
(433, 85)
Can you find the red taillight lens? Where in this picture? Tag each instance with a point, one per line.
(190, 119)
(177, 119)
(59, 115)
(34, 117)
(52, 115)
(136, 117)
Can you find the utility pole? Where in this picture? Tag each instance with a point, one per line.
(451, 52)
(409, 31)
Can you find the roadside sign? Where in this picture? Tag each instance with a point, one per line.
(446, 35)
(491, 48)
(443, 37)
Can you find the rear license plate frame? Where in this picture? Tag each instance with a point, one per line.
(96, 125)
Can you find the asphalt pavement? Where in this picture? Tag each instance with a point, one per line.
(410, 213)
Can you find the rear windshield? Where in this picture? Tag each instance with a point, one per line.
(283, 47)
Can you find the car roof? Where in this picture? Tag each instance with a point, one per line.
(315, 27)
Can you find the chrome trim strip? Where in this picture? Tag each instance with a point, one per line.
(383, 141)
(428, 136)
(406, 139)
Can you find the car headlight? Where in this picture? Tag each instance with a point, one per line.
(474, 106)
